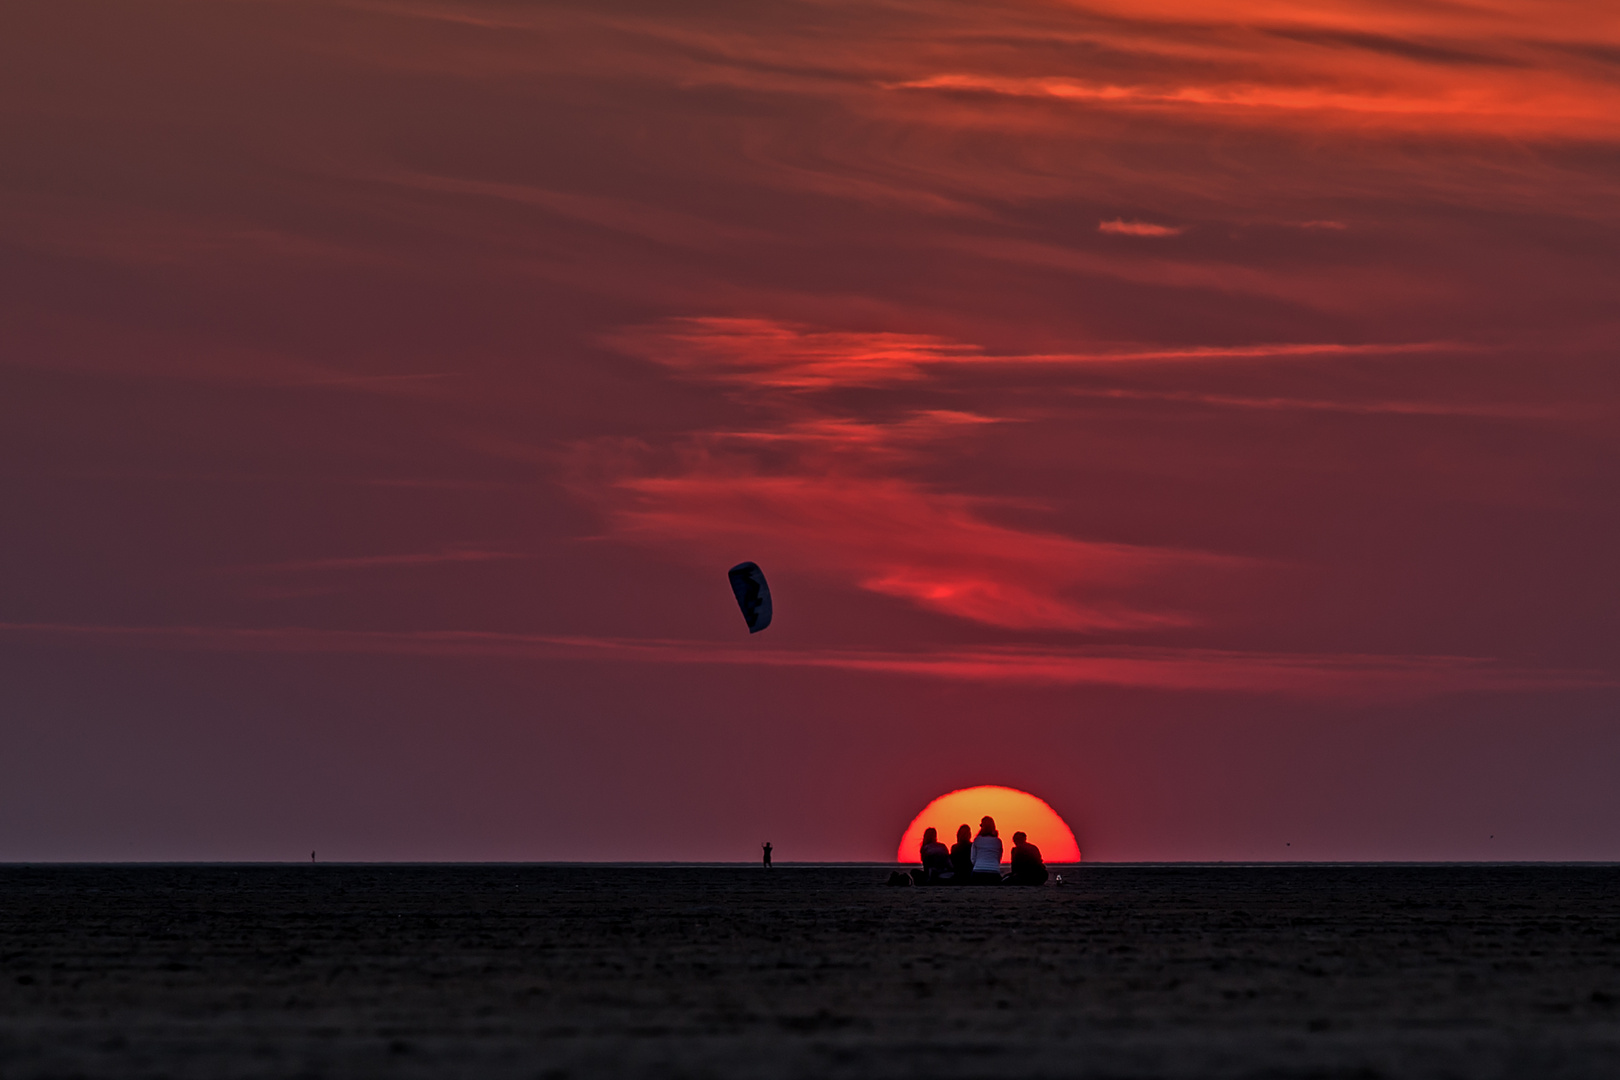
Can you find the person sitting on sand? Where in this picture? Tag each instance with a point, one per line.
(987, 853)
(962, 856)
(1028, 868)
(936, 860)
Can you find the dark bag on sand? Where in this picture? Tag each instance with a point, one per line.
(897, 878)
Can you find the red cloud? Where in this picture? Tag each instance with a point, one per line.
(844, 495)
(764, 353)
(836, 495)
(936, 550)
(770, 355)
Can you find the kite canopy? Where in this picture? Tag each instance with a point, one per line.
(753, 595)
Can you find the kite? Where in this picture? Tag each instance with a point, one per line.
(753, 595)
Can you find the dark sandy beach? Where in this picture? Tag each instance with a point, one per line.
(546, 971)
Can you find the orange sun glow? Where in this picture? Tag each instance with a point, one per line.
(1014, 811)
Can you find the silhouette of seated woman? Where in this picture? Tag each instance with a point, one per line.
(986, 854)
(1028, 868)
(936, 860)
(962, 856)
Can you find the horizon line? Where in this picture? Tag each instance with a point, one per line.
(784, 864)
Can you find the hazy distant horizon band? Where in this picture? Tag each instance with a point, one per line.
(792, 865)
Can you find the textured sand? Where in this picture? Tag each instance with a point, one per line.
(533, 971)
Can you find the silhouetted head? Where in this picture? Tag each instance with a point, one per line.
(963, 834)
(987, 826)
(930, 836)
(1019, 838)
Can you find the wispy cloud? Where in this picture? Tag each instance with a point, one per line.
(838, 494)
(1347, 677)
(403, 561)
(1481, 410)
(1533, 105)
(935, 550)
(1121, 227)
(628, 216)
(1345, 291)
(773, 355)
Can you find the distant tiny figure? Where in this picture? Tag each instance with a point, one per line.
(312, 856)
(1028, 868)
(767, 848)
(987, 853)
(962, 856)
(936, 861)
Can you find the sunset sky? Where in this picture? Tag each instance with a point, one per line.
(1201, 415)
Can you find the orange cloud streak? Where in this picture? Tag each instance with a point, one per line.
(772, 355)
(1546, 105)
(1119, 227)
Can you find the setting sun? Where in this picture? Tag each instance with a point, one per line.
(1014, 811)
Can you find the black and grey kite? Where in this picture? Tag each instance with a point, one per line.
(753, 595)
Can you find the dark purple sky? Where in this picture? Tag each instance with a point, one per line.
(1203, 417)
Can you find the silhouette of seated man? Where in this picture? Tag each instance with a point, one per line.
(986, 854)
(962, 856)
(1028, 868)
(936, 860)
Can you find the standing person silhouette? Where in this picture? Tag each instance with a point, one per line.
(986, 854)
(767, 847)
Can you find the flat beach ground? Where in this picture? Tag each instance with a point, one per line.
(553, 971)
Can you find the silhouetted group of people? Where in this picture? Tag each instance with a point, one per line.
(975, 860)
